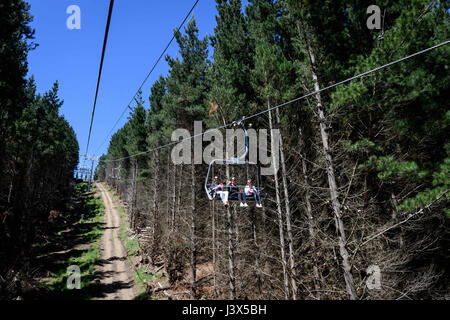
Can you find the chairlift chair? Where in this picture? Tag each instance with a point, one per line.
(239, 161)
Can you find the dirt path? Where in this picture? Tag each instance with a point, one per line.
(117, 278)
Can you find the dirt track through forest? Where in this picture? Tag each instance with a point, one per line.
(117, 275)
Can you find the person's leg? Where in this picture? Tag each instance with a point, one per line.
(241, 198)
(244, 197)
(226, 195)
(257, 202)
(222, 196)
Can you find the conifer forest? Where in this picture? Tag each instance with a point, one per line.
(342, 185)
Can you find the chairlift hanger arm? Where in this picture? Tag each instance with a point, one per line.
(235, 161)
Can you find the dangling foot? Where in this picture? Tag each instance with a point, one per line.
(225, 204)
(259, 205)
(241, 205)
(245, 205)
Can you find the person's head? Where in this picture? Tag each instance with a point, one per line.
(233, 180)
(249, 182)
(216, 179)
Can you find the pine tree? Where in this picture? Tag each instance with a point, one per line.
(270, 79)
(229, 74)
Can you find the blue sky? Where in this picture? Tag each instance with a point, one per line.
(139, 31)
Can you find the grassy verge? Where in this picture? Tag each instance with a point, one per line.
(132, 247)
(74, 241)
(113, 192)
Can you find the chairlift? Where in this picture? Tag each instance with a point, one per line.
(239, 161)
(83, 172)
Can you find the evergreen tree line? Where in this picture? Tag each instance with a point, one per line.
(363, 177)
(38, 147)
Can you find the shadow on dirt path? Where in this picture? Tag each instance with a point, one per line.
(75, 238)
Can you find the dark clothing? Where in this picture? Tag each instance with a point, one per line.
(233, 190)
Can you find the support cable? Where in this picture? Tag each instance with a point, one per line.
(146, 78)
(293, 100)
(105, 40)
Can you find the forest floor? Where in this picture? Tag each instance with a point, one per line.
(87, 236)
(94, 235)
(69, 238)
(151, 280)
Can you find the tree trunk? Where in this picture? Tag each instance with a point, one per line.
(11, 184)
(214, 245)
(180, 186)
(155, 200)
(168, 191)
(193, 236)
(174, 173)
(290, 238)
(232, 281)
(279, 211)
(332, 184)
(231, 254)
(311, 226)
(256, 250)
(135, 193)
(394, 202)
(131, 197)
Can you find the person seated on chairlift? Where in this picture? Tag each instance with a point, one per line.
(234, 189)
(250, 190)
(217, 188)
